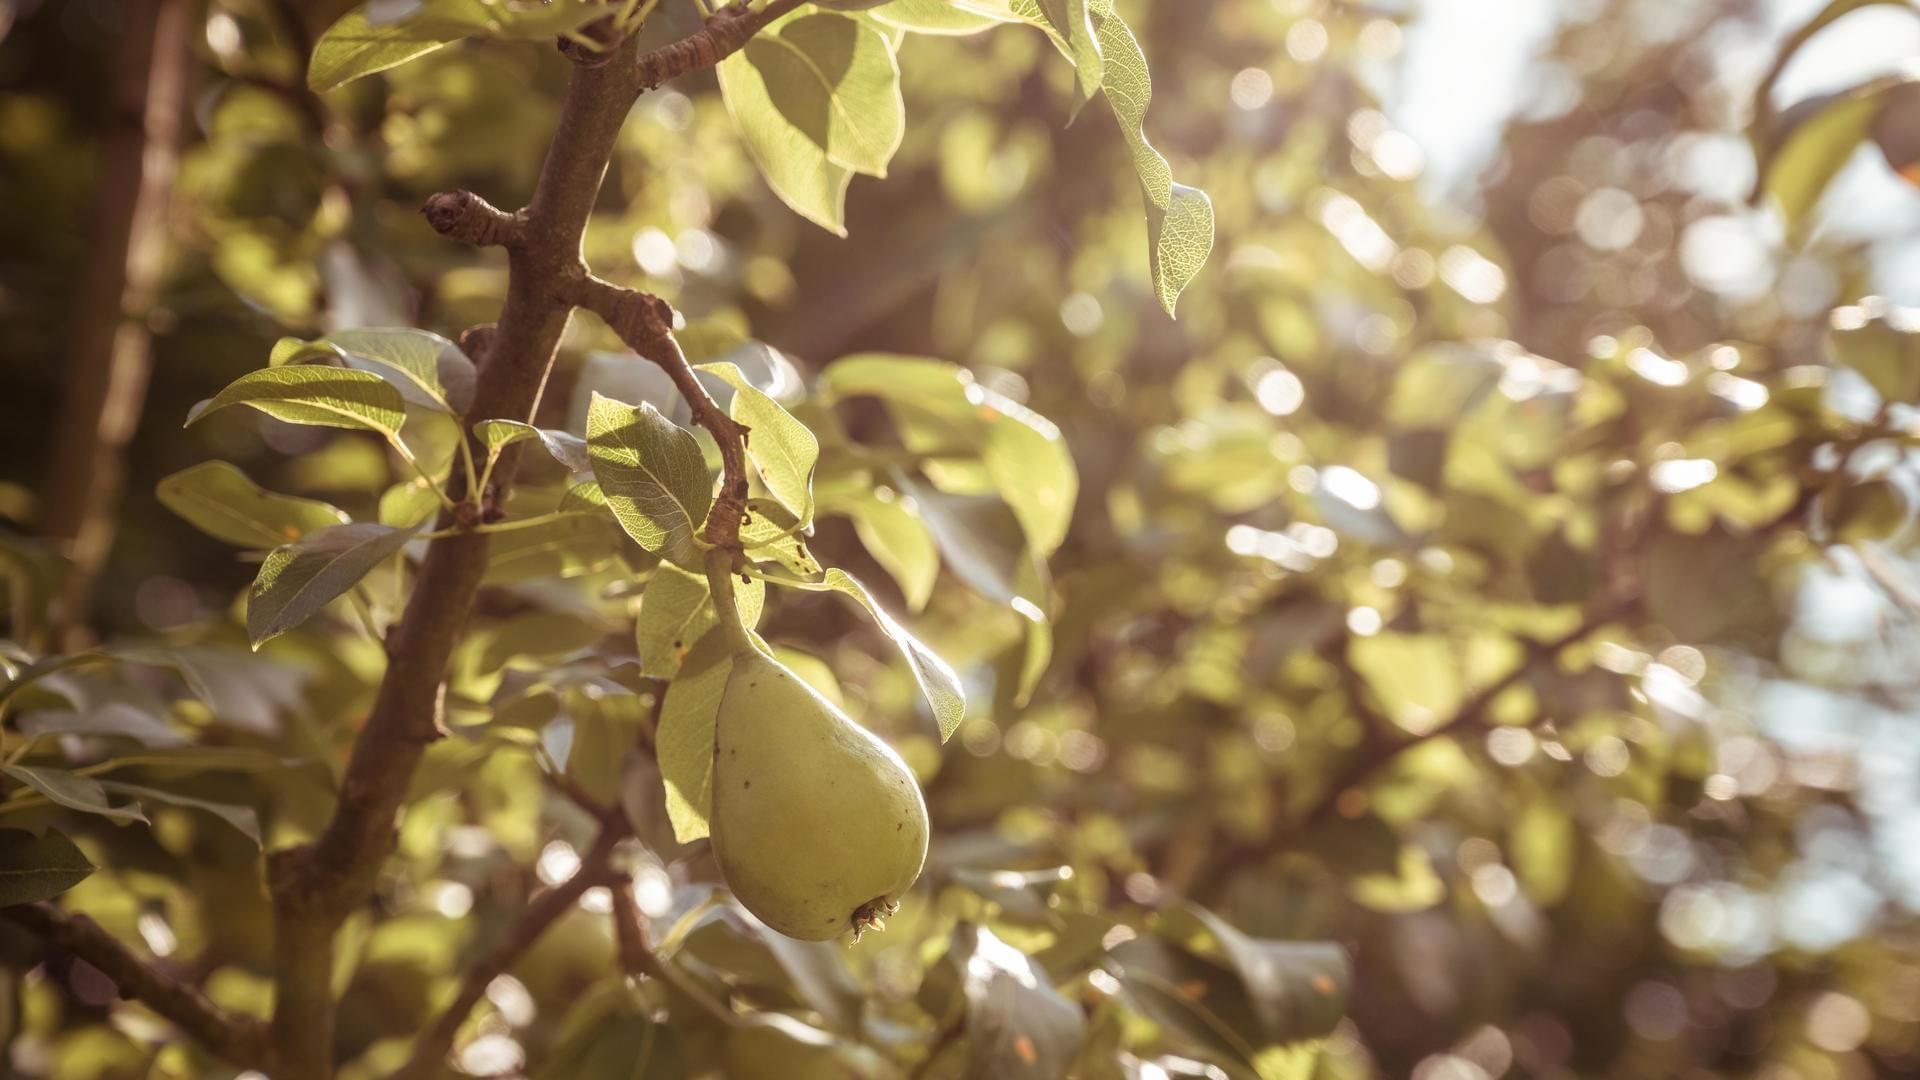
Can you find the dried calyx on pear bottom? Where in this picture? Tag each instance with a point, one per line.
(817, 824)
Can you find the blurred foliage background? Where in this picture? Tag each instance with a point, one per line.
(1505, 574)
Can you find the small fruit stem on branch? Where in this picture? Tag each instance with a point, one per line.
(596, 868)
(240, 1040)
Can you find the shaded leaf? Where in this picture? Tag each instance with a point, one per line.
(297, 580)
(72, 791)
(1017, 1024)
(937, 680)
(677, 611)
(219, 500)
(35, 868)
(566, 546)
(684, 742)
(240, 817)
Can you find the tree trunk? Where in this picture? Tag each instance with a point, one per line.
(106, 371)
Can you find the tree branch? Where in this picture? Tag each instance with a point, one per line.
(107, 369)
(316, 886)
(467, 218)
(638, 958)
(645, 323)
(596, 868)
(1376, 753)
(239, 1039)
(725, 34)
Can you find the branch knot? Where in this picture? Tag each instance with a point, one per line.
(467, 218)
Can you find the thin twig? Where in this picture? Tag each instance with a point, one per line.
(725, 33)
(596, 868)
(645, 323)
(638, 958)
(239, 1039)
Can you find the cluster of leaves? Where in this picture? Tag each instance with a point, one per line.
(1328, 608)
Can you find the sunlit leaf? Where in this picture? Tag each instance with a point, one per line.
(684, 742)
(781, 448)
(817, 99)
(426, 368)
(900, 542)
(937, 680)
(311, 394)
(653, 474)
(1179, 218)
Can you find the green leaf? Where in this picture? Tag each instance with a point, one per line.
(321, 396)
(568, 449)
(1073, 33)
(427, 369)
(35, 868)
(816, 98)
(1179, 218)
(118, 719)
(536, 635)
(352, 47)
(73, 791)
(684, 742)
(937, 680)
(610, 1034)
(953, 17)
(240, 817)
(297, 580)
(219, 500)
(770, 533)
(409, 503)
(892, 532)
(1018, 1027)
(677, 611)
(1031, 468)
(1806, 146)
(782, 448)
(1884, 350)
(653, 474)
(566, 546)
(1298, 989)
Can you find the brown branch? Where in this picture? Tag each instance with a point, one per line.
(1376, 753)
(1472, 712)
(638, 958)
(106, 371)
(725, 33)
(596, 868)
(238, 1039)
(316, 886)
(467, 218)
(645, 323)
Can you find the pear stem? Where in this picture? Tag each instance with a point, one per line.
(720, 580)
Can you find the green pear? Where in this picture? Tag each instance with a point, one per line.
(773, 1046)
(818, 826)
